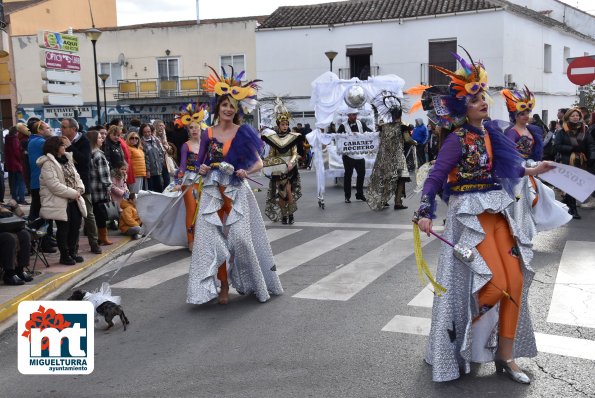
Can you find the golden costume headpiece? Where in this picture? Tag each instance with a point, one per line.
(192, 113)
(517, 101)
(231, 86)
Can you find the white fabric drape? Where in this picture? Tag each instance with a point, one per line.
(327, 97)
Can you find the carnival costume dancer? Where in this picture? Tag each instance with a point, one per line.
(533, 197)
(285, 187)
(193, 118)
(230, 241)
(390, 173)
(479, 166)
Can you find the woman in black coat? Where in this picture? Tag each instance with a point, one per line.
(574, 147)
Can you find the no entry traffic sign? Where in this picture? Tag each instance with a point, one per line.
(581, 71)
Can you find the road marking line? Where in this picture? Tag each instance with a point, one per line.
(279, 233)
(301, 254)
(356, 225)
(573, 300)
(408, 325)
(156, 276)
(139, 255)
(425, 298)
(546, 343)
(346, 282)
(567, 346)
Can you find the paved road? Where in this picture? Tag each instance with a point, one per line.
(352, 322)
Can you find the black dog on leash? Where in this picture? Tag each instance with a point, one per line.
(108, 309)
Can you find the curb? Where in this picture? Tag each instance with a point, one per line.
(10, 307)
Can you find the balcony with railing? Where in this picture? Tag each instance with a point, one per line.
(345, 73)
(189, 86)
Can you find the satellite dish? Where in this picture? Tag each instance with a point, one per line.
(121, 59)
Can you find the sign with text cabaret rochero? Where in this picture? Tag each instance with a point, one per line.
(62, 61)
(58, 41)
(357, 144)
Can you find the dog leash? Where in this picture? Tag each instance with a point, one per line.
(161, 218)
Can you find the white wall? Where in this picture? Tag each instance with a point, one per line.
(288, 60)
(397, 48)
(524, 59)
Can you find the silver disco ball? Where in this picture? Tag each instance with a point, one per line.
(355, 96)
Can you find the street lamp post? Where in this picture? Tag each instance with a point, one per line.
(104, 77)
(331, 55)
(93, 35)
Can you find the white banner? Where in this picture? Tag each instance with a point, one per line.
(357, 144)
(576, 182)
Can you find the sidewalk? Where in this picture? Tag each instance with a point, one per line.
(48, 280)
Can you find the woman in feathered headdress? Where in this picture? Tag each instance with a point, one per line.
(230, 242)
(193, 118)
(285, 187)
(475, 167)
(533, 198)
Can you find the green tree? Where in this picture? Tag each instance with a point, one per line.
(587, 97)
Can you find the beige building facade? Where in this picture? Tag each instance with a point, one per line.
(26, 18)
(153, 68)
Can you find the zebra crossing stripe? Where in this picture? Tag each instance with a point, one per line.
(138, 256)
(409, 325)
(567, 346)
(349, 280)
(279, 233)
(546, 343)
(573, 300)
(301, 254)
(156, 276)
(424, 299)
(357, 225)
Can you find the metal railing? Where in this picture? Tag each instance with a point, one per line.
(187, 86)
(345, 73)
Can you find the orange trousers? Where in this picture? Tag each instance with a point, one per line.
(223, 212)
(506, 271)
(190, 202)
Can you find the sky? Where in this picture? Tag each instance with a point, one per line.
(131, 12)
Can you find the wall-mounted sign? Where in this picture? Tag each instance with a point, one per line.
(58, 41)
(62, 61)
(58, 113)
(62, 112)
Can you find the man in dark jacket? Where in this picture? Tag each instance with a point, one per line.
(351, 162)
(81, 154)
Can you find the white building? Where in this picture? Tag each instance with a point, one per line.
(518, 45)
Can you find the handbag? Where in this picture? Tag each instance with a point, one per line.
(111, 210)
(11, 223)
